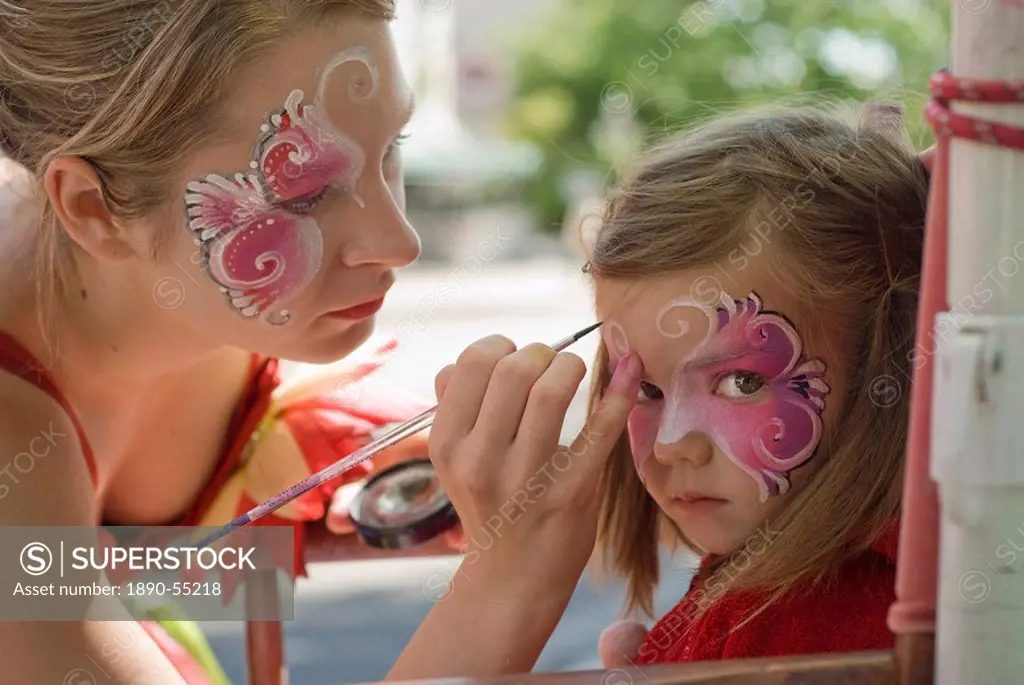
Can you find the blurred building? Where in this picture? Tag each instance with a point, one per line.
(485, 33)
(461, 170)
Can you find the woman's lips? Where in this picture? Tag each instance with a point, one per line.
(360, 311)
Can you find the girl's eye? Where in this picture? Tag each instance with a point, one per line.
(740, 385)
(305, 205)
(651, 392)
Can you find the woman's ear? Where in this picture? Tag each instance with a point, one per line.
(76, 194)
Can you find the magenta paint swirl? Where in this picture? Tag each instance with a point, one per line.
(784, 428)
(257, 241)
(767, 433)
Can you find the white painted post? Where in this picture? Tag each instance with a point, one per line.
(978, 403)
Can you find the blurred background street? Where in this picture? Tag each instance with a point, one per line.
(526, 110)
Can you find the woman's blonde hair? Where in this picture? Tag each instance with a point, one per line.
(130, 86)
(843, 206)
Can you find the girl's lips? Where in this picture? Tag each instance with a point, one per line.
(695, 503)
(360, 311)
(691, 496)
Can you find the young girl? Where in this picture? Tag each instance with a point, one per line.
(765, 270)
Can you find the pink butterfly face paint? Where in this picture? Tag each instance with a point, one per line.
(256, 237)
(746, 385)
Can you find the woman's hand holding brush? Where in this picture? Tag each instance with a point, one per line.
(528, 505)
(495, 444)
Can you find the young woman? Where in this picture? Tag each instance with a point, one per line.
(194, 191)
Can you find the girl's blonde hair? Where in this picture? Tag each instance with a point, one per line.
(843, 207)
(132, 87)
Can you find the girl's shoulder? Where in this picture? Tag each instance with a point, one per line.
(847, 612)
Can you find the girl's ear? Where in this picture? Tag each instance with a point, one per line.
(881, 116)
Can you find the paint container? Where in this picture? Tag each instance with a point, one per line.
(402, 506)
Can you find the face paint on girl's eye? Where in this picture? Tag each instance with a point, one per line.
(646, 416)
(254, 243)
(766, 434)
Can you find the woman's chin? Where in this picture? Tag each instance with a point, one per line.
(322, 344)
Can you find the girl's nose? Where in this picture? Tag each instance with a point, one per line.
(694, 447)
(384, 236)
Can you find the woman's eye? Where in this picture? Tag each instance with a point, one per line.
(304, 205)
(651, 392)
(394, 147)
(740, 384)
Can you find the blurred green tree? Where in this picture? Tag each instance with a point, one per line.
(595, 79)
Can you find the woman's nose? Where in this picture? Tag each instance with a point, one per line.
(382, 235)
(694, 447)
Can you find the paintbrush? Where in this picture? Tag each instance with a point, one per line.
(389, 439)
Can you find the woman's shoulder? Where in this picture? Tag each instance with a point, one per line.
(27, 376)
(26, 397)
(45, 477)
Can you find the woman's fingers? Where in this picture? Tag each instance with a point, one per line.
(339, 523)
(488, 455)
(338, 519)
(442, 379)
(465, 390)
(606, 424)
(549, 400)
(456, 538)
(510, 387)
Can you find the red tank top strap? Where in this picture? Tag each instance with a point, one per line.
(15, 359)
(250, 409)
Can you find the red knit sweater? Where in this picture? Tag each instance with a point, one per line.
(845, 614)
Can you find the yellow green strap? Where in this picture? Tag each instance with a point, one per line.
(188, 635)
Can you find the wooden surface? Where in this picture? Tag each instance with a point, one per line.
(915, 656)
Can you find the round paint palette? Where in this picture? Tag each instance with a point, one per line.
(403, 506)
